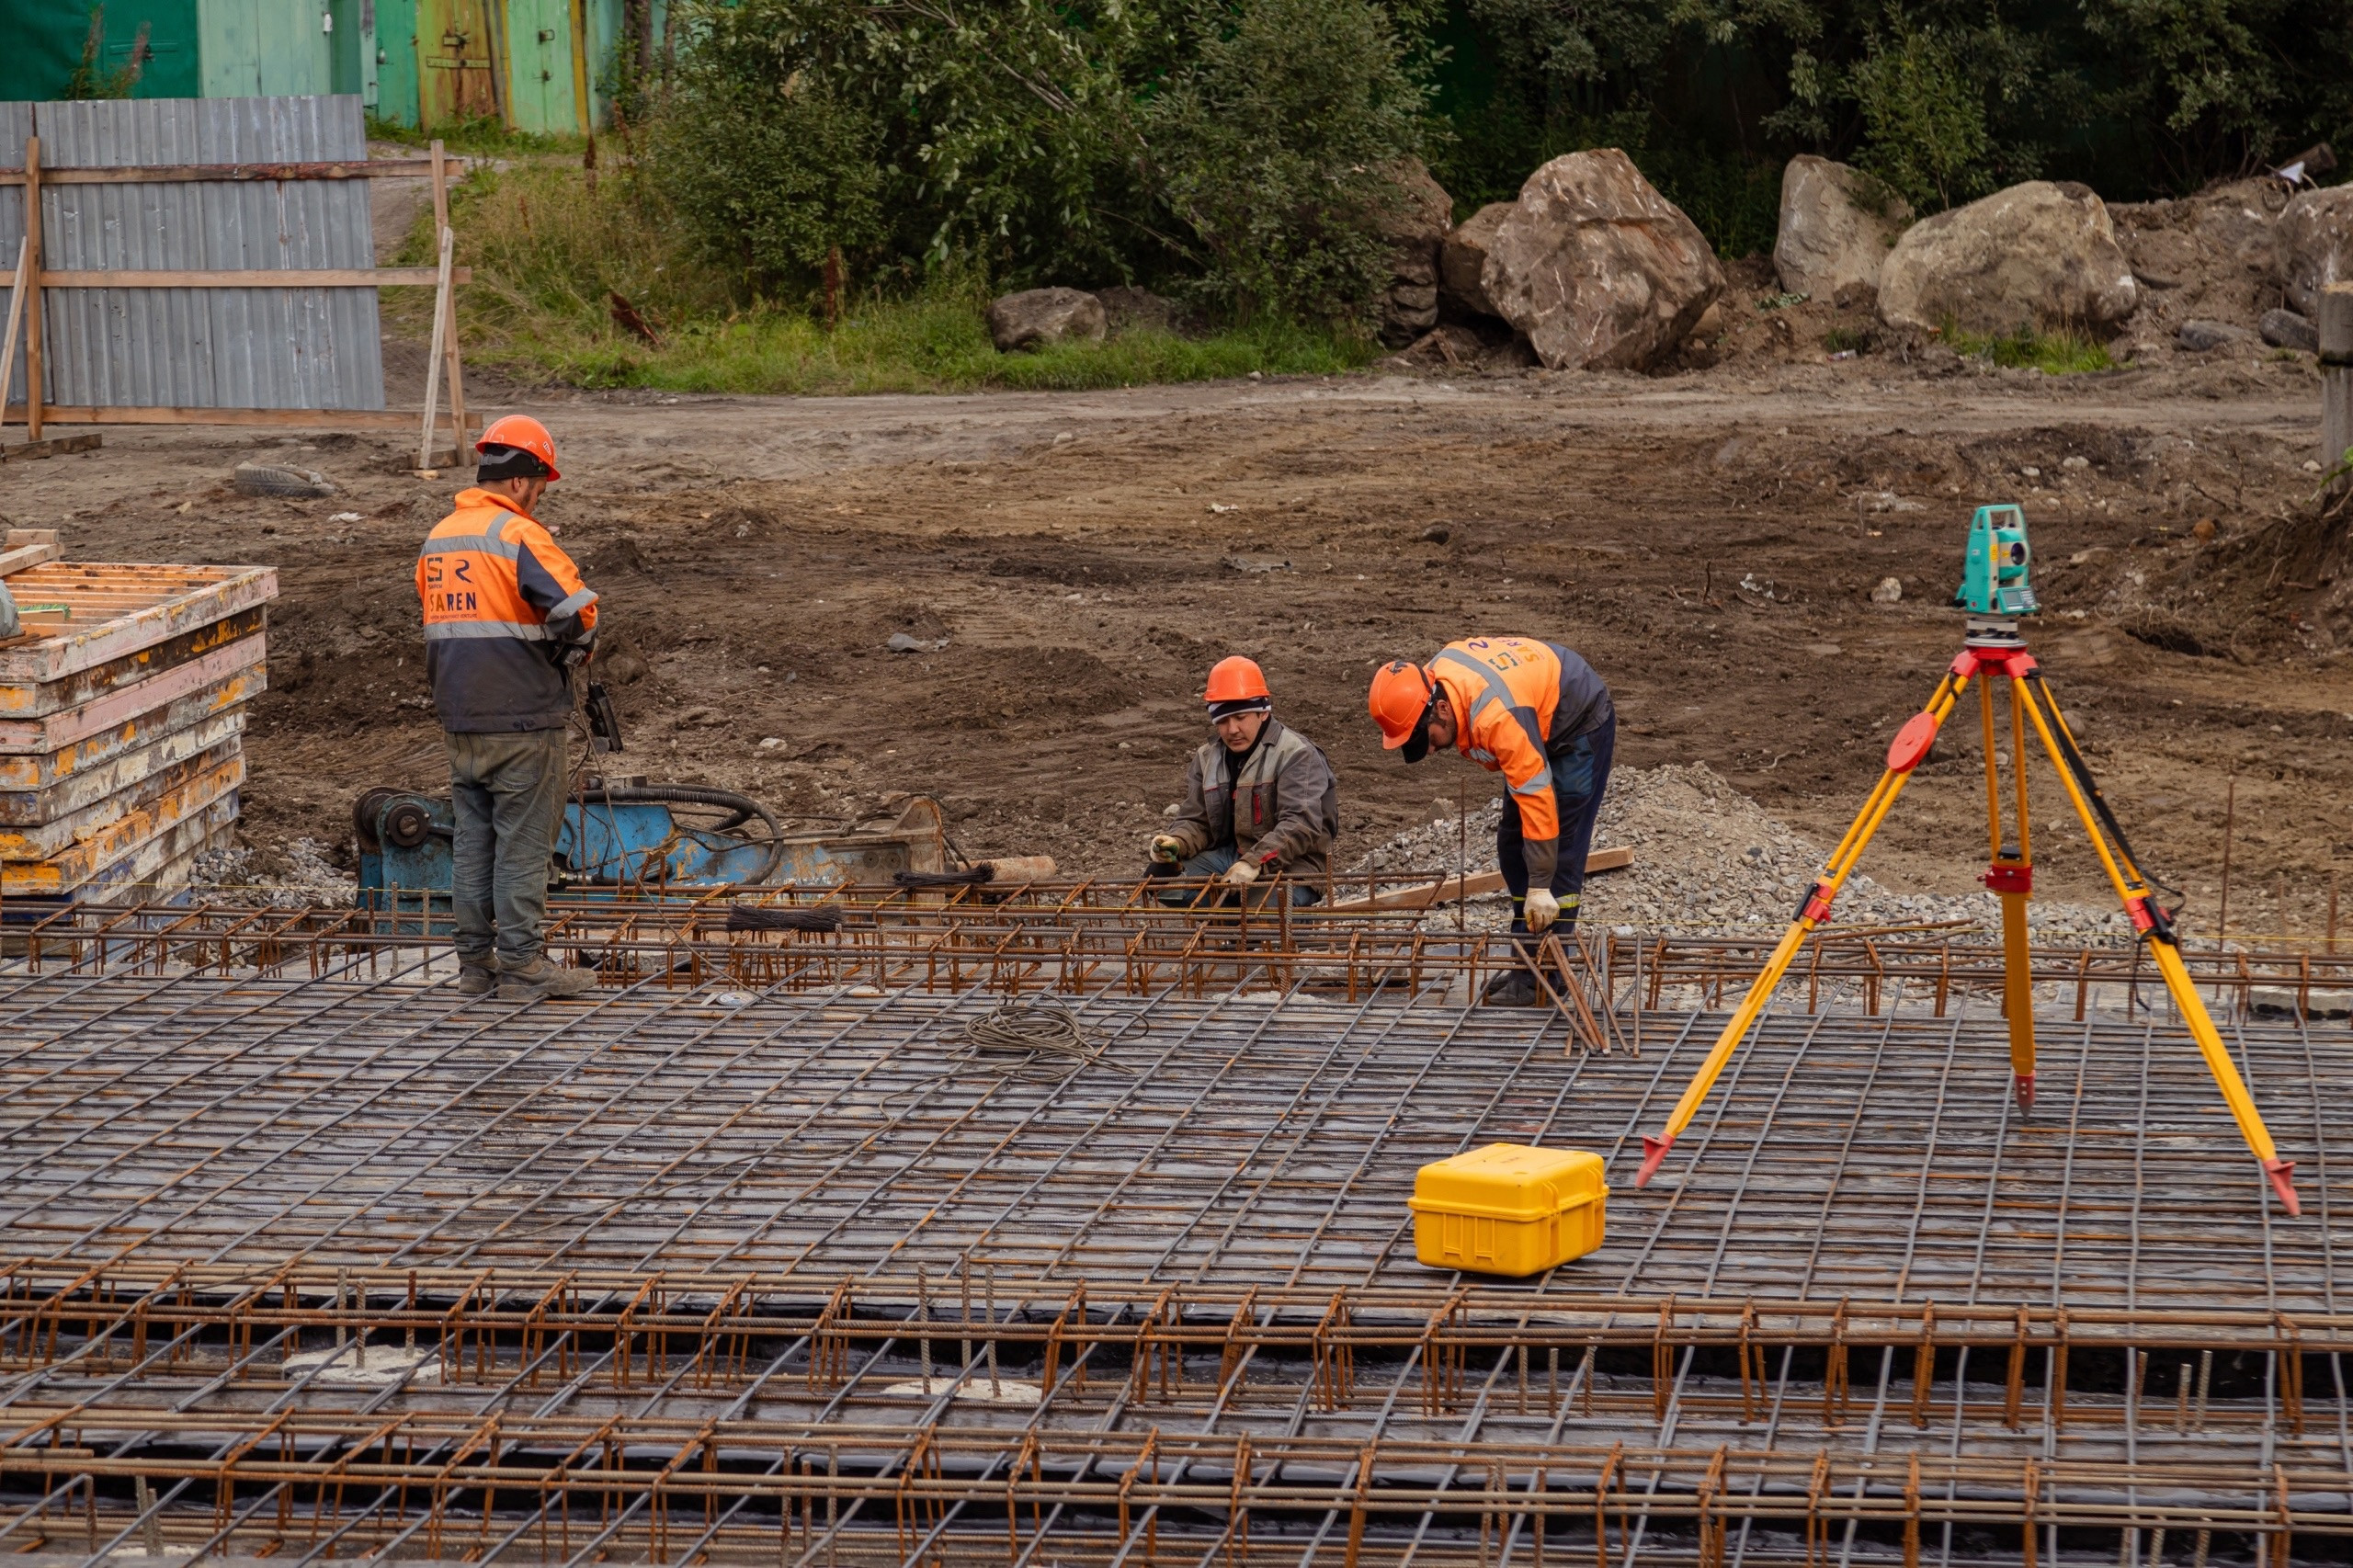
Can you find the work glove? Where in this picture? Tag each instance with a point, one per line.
(1167, 847)
(1241, 873)
(1541, 909)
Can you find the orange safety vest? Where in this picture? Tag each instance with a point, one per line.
(490, 580)
(1505, 692)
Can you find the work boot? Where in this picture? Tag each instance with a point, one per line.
(1513, 988)
(541, 978)
(476, 978)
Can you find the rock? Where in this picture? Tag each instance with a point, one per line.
(2211, 256)
(1464, 257)
(2285, 329)
(2197, 337)
(1597, 267)
(1837, 226)
(276, 479)
(2313, 244)
(2037, 254)
(1039, 316)
(1415, 229)
(1890, 591)
(1129, 309)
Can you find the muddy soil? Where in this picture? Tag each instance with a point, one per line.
(1710, 539)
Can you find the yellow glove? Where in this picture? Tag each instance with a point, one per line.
(1542, 909)
(1167, 847)
(1241, 873)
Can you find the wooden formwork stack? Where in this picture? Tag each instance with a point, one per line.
(121, 719)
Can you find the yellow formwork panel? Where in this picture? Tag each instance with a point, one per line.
(1508, 1208)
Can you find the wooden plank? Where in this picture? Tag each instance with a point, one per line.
(141, 791)
(126, 834)
(28, 548)
(1426, 896)
(176, 174)
(206, 613)
(273, 418)
(77, 788)
(39, 751)
(51, 447)
(2336, 377)
(34, 264)
(279, 277)
(92, 876)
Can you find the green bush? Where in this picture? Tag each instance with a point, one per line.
(1274, 147)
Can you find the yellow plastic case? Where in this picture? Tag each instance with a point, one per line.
(1508, 1208)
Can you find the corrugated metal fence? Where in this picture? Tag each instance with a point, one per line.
(198, 347)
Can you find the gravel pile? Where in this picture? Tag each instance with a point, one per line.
(1709, 860)
(301, 877)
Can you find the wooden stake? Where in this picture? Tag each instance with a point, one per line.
(447, 304)
(29, 286)
(2336, 327)
(2332, 914)
(2230, 819)
(15, 319)
(432, 358)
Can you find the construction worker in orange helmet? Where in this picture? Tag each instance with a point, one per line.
(506, 622)
(1538, 714)
(1259, 798)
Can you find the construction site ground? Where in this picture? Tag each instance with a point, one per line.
(1072, 564)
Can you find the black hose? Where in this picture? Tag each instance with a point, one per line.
(743, 808)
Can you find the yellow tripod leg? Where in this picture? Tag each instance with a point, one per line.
(1911, 744)
(2010, 877)
(2165, 949)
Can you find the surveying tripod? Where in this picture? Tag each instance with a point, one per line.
(1993, 647)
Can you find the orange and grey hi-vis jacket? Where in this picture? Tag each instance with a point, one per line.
(1519, 703)
(502, 604)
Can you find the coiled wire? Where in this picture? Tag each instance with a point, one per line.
(1038, 1042)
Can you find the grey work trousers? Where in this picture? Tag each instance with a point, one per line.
(508, 794)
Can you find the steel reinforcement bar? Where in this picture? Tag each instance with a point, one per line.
(894, 943)
(577, 1488)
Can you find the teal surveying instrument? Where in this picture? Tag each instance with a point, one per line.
(1993, 593)
(1994, 580)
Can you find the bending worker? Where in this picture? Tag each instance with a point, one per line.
(1538, 714)
(1259, 798)
(506, 621)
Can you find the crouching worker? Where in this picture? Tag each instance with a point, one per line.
(1260, 803)
(1538, 714)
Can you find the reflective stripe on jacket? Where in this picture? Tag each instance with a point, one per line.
(1285, 807)
(500, 602)
(1517, 703)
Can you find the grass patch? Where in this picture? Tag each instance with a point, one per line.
(549, 253)
(1847, 340)
(2053, 352)
(483, 136)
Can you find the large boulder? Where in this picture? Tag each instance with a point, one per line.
(1597, 267)
(1415, 229)
(2314, 244)
(1463, 261)
(2038, 255)
(1837, 225)
(1039, 316)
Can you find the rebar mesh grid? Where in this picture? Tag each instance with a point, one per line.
(681, 1274)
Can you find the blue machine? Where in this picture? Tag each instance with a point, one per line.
(640, 841)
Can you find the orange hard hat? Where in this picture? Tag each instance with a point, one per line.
(1400, 694)
(1235, 679)
(520, 430)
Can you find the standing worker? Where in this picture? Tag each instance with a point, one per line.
(1538, 714)
(1259, 798)
(506, 621)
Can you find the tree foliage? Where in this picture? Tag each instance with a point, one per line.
(1273, 148)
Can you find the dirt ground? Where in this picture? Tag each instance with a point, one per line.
(1710, 539)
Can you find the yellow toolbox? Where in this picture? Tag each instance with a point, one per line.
(1508, 1208)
